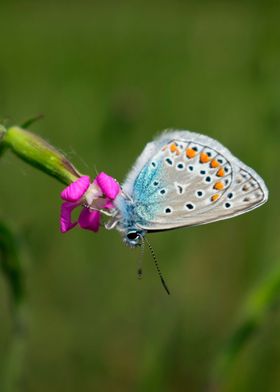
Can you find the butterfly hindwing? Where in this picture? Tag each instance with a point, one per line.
(184, 179)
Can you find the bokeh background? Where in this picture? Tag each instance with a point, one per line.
(108, 76)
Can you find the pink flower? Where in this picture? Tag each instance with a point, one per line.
(96, 195)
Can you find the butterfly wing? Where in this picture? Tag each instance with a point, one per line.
(185, 179)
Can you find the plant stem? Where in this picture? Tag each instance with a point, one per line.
(11, 259)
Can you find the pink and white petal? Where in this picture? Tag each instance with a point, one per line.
(109, 186)
(65, 216)
(93, 193)
(76, 190)
(109, 205)
(89, 220)
(100, 203)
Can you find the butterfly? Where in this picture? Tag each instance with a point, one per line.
(182, 179)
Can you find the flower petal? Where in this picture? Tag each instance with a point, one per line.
(93, 193)
(109, 186)
(76, 190)
(65, 216)
(89, 220)
(109, 204)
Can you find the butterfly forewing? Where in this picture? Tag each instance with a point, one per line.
(190, 179)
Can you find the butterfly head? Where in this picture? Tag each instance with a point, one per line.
(133, 238)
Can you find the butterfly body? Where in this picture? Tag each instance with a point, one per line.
(182, 179)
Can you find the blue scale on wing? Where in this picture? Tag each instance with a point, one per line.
(146, 194)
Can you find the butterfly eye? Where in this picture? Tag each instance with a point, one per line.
(132, 235)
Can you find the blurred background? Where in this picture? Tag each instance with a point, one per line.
(108, 76)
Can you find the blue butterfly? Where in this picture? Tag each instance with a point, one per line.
(182, 179)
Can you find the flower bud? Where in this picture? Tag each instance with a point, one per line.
(37, 152)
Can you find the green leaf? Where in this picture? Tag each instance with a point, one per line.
(31, 121)
(262, 299)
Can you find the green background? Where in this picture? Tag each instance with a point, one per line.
(108, 76)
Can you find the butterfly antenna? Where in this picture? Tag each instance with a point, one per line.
(140, 260)
(157, 266)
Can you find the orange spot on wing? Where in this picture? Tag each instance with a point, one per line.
(204, 158)
(214, 163)
(174, 148)
(220, 172)
(219, 185)
(215, 197)
(190, 153)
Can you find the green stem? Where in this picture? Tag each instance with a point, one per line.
(14, 368)
(11, 262)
